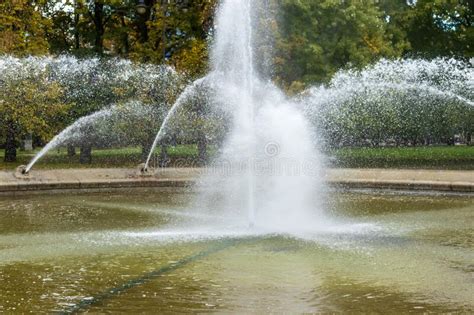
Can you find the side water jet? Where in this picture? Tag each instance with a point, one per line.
(188, 92)
(67, 134)
(340, 94)
(91, 83)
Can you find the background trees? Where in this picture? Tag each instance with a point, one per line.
(314, 38)
(404, 102)
(42, 95)
(23, 27)
(30, 103)
(320, 37)
(317, 38)
(169, 31)
(311, 41)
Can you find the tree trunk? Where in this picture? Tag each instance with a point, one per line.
(164, 158)
(163, 35)
(85, 156)
(28, 143)
(145, 152)
(143, 27)
(202, 149)
(10, 143)
(77, 40)
(99, 26)
(173, 140)
(146, 147)
(71, 150)
(126, 44)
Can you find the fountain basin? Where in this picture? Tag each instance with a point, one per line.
(406, 253)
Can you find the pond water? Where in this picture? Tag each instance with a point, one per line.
(128, 252)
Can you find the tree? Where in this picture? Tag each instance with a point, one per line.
(442, 28)
(141, 95)
(177, 32)
(414, 102)
(430, 28)
(23, 27)
(319, 37)
(29, 103)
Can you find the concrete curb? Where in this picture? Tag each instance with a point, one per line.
(99, 179)
(12, 188)
(461, 187)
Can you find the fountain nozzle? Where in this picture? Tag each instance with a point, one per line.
(22, 172)
(143, 170)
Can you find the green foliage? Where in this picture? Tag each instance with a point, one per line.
(174, 32)
(177, 33)
(314, 39)
(304, 42)
(319, 37)
(23, 27)
(441, 28)
(30, 102)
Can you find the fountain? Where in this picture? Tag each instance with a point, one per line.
(258, 236)
(270, 142)
(270, 161)
(72, 131)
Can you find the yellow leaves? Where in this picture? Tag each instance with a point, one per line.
(23, 28)
(34, 104)
(119, 91)
(369, 44)
(192, 60)
(316, 49)
(8, 41)
(296, 87)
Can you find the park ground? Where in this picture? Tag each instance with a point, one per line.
(431, 157)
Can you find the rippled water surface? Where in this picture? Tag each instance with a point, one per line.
(137, 252)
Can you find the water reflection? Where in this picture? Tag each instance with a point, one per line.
(57, 251)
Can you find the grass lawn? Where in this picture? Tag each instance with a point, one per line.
(443, 157)
(101, 158)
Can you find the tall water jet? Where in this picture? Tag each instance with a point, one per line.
(232, 58)
(265, 175)
(233, 81)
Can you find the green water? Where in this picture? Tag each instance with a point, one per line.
(414, 253)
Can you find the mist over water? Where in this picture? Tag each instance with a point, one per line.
(391, 100)
(269, 172)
